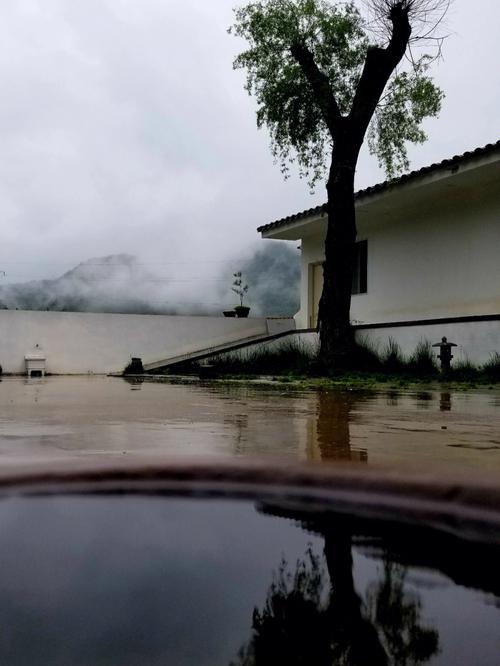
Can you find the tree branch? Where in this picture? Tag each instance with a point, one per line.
(379, 65)
(401, 32)
(321, 86)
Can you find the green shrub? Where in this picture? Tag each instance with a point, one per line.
(491, 369)
(392, 358)
(422, 362)
(291, 357)
(365, 357)
(463, 371)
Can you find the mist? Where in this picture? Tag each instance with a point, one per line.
(273, 277)
(122, 283)
(125, 130)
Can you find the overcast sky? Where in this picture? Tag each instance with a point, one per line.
(123, 128)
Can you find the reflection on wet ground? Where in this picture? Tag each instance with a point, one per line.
(74, 416)
(163, 580)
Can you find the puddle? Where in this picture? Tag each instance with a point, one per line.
(77, 416)
(162, 580)
(168, 580)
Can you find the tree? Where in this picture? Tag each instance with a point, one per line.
(326, 76)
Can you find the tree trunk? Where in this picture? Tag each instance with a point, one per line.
(348, 133)
(336, 335)
(357, 637)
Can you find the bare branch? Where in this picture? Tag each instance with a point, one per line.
(426, 17)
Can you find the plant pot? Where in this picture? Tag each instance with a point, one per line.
(135, 367)
(242, 311)
(229, 313)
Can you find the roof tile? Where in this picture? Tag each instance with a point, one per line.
(374, 189)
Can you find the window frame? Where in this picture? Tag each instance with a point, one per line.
(360, 273)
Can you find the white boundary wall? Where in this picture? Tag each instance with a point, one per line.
(83, 343)
(86, 343)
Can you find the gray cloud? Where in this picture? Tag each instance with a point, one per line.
(125, 130)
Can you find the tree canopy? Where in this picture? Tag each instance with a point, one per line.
(336, 36)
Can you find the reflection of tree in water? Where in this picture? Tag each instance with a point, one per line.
(334, 415)
(396, 613)
(293, 625)
(333, 425)
(307, 619)
(240, 423)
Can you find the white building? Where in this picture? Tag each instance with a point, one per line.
(428, 256)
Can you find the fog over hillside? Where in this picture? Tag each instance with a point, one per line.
(273, 276)
(117, 283)
(121, 283)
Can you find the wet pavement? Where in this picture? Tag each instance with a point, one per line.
(153, 580)
(247, 580)
(61, 417)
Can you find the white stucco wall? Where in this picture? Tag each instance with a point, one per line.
(81, 343)
(431, 254)
(439, 263)
(477, 341)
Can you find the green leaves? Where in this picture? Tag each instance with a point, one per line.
(285, 102)
(238, 286)
(410, 98)
(337, 38)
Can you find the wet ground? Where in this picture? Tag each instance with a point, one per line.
(77, 416)
(139, 581)
(241, 582)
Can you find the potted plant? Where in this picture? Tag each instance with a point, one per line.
(240, 289)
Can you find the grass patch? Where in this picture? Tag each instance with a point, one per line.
(464, 371)
(422, 362)
(293, 360)
(393, 362)
(491, 369)
(290, 358)
(365, 357)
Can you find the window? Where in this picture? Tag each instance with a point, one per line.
(360, 275)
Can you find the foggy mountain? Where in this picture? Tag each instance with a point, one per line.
(122, 284)
(116, 283)
(273, 277)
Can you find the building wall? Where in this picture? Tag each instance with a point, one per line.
(436, 261)
(476, 341)
(81, 343)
